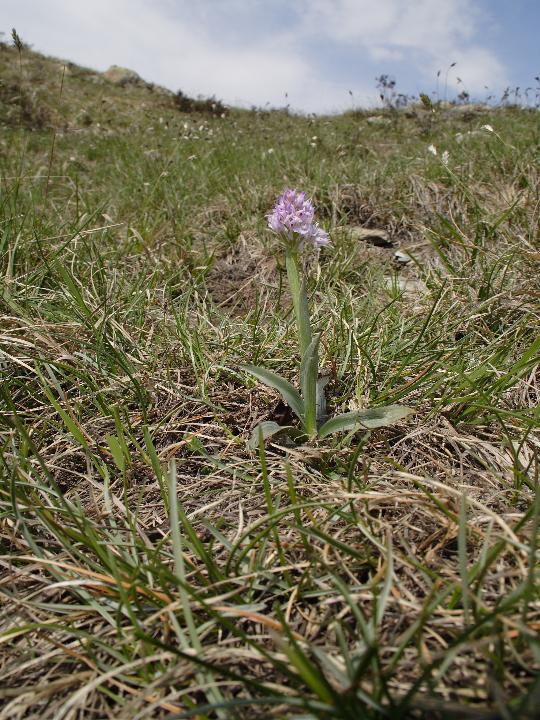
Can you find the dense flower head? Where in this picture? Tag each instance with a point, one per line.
(293, 215)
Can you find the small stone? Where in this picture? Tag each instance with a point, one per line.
(402, 258)
(374, 236)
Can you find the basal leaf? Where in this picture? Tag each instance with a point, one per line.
(372, 418)
(322, 382)
(289, 393)
(308, 378)
(268, 429)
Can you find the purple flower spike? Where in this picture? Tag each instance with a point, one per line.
(293, 215)
(319, 237)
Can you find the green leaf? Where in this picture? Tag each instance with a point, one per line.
(289, 393)
(308, 378)
(322, 382)
(116, 452)
(269, 428)
(372, 418)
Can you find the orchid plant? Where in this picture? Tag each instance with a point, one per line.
(292, 219)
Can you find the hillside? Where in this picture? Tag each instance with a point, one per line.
(152, 564)
(43, 93)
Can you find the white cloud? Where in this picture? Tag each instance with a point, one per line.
(478, 69)
(178, 52)
(251, 53)
(420, 24)
(428, 35)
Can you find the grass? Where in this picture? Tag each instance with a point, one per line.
(151, 565)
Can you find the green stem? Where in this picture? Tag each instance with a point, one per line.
(299, 298)
(308, 345)
(309, 371)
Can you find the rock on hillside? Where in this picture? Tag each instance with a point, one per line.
(122, 76)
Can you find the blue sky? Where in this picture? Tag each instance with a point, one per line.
(254, 51)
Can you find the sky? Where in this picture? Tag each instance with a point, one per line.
(309, 54)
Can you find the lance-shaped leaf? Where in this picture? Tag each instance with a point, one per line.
(322, 382)
(372, 418)
(308, 378)
(271, 429)
(289, 393)
(267, 429)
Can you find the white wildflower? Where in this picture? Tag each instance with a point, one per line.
(432, 149)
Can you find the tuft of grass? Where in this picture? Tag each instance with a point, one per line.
(152, 566)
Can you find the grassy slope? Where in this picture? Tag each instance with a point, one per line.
(367, 577)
